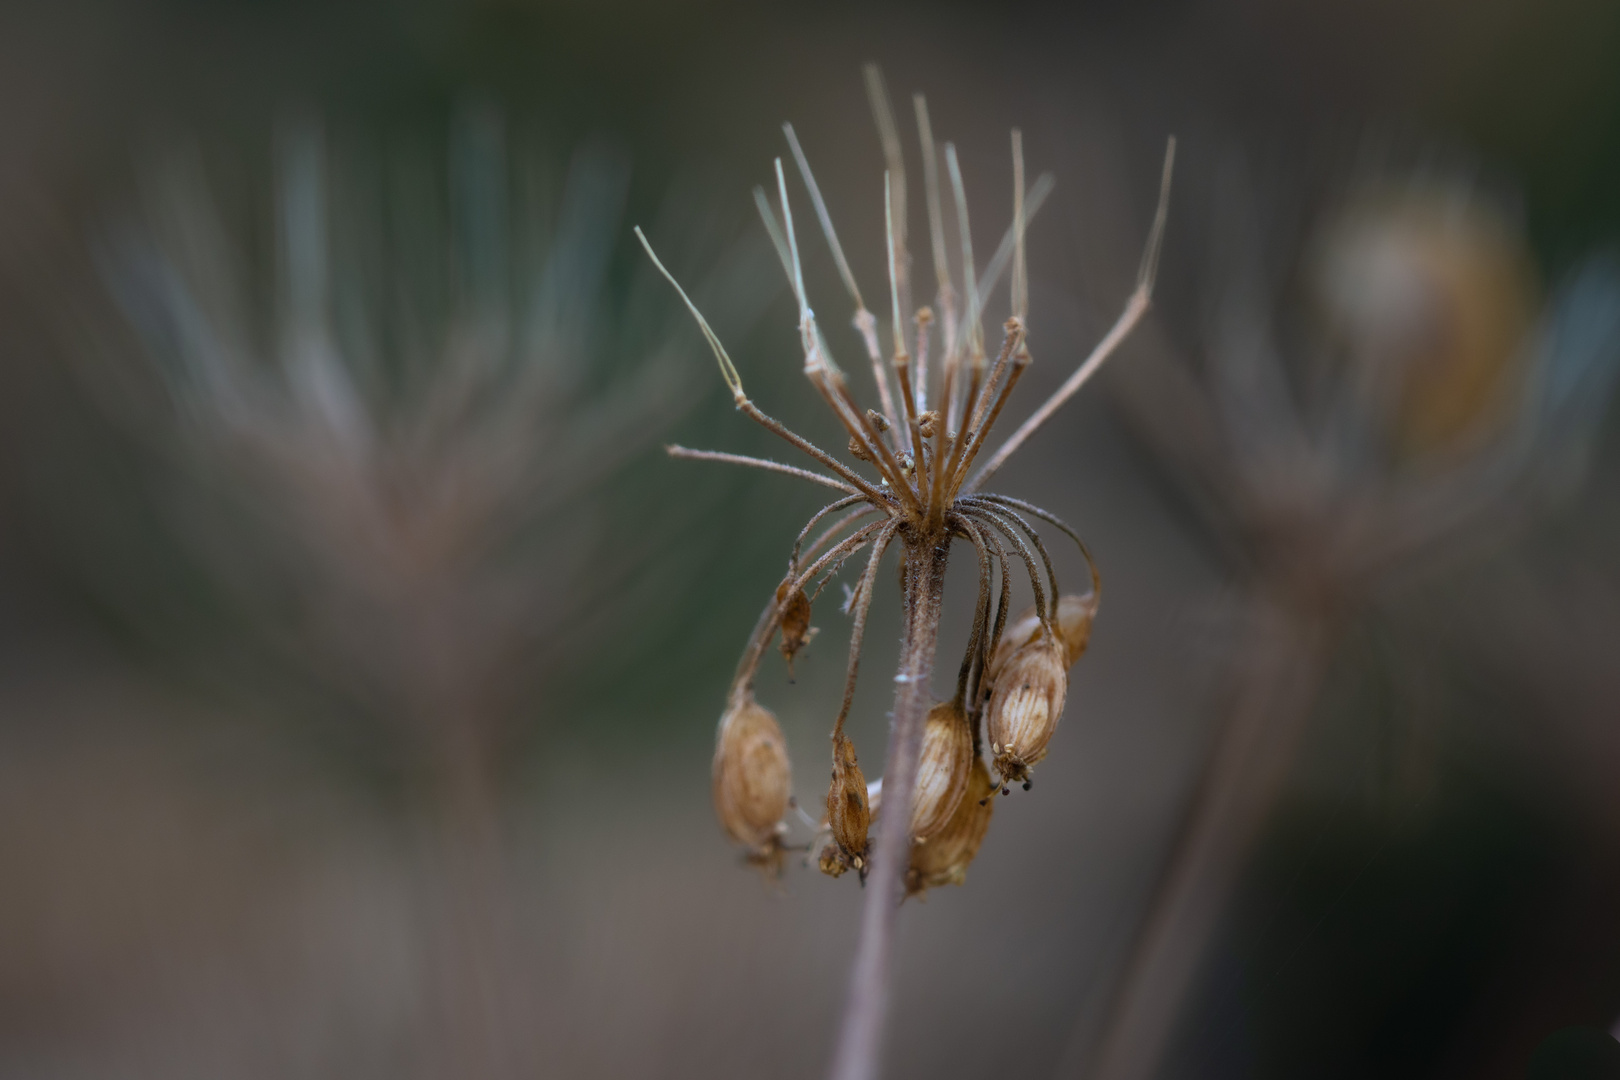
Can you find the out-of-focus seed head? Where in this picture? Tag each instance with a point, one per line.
(1432, 289)
(1026, 700)
(752, 778)
(942, 769)
(944, 858)
(849, 813)
(796, 628)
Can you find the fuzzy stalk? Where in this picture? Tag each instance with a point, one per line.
(859, 1051)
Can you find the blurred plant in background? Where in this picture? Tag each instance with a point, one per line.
(394, 411)
(1375, 401)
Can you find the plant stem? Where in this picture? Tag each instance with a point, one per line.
(859, 1051)
(1281, 666)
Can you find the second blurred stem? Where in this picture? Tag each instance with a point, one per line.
(1281, 661)
(468, 917)
(470, 1032)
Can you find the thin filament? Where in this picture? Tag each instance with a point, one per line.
(757, 463)
(857, 633)
(1024, 553)
(1135, 308)
(827, 534)
(1020, 278)
(1056, 522)
(728, 370)
(825, 218)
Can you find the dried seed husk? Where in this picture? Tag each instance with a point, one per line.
(1026, 700)
(1073, 624)
(752, 776)
(943, 765)
(849, 813)
(1075, 615)
(944, 859)
(795, 622)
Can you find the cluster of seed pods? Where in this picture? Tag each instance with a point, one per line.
(1017, 708)
(923, 443)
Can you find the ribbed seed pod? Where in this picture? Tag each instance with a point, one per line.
(752, 777)
(849, 814)
(1073, 624)
(1074, 618)
(1026, 701)
(942, 769)
(944, 859)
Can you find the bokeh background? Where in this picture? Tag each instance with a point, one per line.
(360, 650)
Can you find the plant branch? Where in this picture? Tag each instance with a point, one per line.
(859, 1051)
(758, 463)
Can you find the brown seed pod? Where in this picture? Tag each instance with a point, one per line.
(1074, 617)
(942, 769)
(944, 859)
(1026, 701)
(849, 814)
(796, 628)
(752, 777)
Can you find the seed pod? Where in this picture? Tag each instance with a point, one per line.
(944, 859)
(942, 769)
(849, 814)
(796, 628)
(1074, 618)
(1026, 701)
(1073, 625)
(752, 777)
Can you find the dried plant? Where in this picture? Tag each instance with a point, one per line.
(1426, 412)
(414, 421)
(922, 443)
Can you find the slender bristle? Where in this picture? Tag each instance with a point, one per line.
(1002, 259)
(763, 203)
(1020, 276)
(946, 294)
(792, 241)
(1149, 271)
(816, 356)
(975, 340)
(894, 288)
(894, 158)
(936, 214)
(889, 135)
(728, 370)
(824, 217)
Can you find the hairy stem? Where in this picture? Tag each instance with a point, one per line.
(859, 1052)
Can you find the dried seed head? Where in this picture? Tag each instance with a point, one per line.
(752, 777)
(849, 813)
(1073, 625)
(796, 628)
(1026, 700)
(942, 769)
(944, 859)
(926, 422)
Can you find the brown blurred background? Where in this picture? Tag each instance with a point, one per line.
(380, 746)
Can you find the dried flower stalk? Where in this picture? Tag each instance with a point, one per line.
(924, 496)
